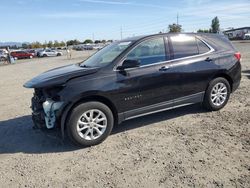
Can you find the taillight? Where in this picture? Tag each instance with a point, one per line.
(238, 56)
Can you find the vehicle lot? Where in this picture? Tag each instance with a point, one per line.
(187, 147)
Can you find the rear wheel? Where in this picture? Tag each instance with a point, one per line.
(58, 54)
(90, 123)
(45, 55)
(217, 94)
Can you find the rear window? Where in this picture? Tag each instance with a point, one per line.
(184, 46)
(203, 48)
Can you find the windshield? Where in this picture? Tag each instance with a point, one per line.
(106, 55)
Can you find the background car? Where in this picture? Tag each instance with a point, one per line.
(49, 53)
(3, 55)
(247, 36)
(33, 52)
(21, 55)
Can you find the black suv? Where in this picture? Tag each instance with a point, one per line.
(135, 77)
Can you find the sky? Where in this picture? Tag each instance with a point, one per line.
(44, 20)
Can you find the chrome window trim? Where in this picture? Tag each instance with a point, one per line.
(168, 61)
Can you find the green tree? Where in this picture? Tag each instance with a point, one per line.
(50, 44)
(72, 42)
(97, 41)
(62, 44)
(56, 44)
(215, 26)
(203, 31)
(45, 44)
(25, 45)
(88, 41)
(174, 28)
(36, 45)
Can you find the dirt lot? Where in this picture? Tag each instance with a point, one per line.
(186, 147)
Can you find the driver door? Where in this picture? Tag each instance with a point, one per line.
(140, 88)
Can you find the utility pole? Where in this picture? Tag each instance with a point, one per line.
(177, 18)
(121, 32)
(93, 37)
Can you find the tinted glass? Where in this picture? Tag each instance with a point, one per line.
(149, 52)
(106, 55)
(184, 46)
(203, 48)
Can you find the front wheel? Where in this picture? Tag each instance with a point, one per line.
(90, 123)
(217, 94)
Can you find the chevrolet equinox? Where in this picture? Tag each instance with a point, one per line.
(132, 78)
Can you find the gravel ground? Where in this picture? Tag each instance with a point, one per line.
(186, 147)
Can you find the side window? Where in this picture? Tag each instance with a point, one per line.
(149, 52)
(203, 48)
(184, 46)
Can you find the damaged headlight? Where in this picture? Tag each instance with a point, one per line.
(53, 93)
(51, 105)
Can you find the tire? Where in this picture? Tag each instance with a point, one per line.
(45, 55)
(58, 54)
(216, 99)
(89, 136)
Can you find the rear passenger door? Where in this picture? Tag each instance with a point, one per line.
(189, 59)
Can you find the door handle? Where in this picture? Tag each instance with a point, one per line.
(164, 68)
(208, 59)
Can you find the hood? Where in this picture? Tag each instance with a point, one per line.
(59, 76)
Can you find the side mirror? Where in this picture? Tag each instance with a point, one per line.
(128, 63)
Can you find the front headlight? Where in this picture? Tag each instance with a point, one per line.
(53, 93)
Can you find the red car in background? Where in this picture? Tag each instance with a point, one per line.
(21, 55)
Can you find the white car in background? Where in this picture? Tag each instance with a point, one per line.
(247, 36)
(3, 55)
(49, 53)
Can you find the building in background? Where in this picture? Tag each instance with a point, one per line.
(238, 33)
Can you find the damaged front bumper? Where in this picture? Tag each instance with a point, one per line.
(50, 107)
(45, 111)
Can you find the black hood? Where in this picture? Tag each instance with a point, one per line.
(59, 76)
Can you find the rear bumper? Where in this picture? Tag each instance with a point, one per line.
(235, 86)
(235, 74)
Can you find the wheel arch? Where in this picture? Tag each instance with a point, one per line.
(226, 76)
(68, 109)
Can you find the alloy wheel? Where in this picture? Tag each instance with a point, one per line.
(92, 124)
(219, 94)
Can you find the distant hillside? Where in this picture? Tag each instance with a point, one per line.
(18, 44)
